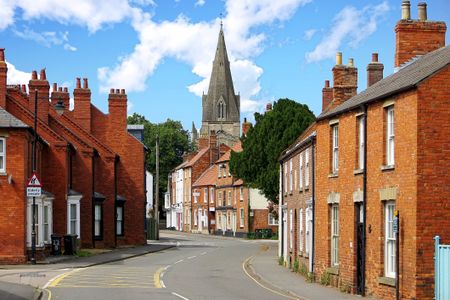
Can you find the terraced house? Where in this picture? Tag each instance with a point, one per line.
(382, 154)
(92, 169)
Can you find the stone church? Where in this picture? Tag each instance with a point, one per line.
(221, 106)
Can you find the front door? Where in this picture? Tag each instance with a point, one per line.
(359, 211)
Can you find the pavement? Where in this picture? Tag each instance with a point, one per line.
(29, 281)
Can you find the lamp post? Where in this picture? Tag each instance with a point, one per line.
(33, 226)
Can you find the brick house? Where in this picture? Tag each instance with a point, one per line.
(203, 205)
(380, 151)
(92, 170)
(297, 200)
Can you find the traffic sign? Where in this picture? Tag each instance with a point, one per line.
(34, 191)
(34, 181)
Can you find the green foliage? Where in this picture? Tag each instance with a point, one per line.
(173, 142)
(281, 260)
(303, 270)
(296, 265)
(273, 132)
(325, 278)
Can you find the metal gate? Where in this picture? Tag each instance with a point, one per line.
(442, 270)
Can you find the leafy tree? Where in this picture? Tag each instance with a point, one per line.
(173, 142)
(273, 132)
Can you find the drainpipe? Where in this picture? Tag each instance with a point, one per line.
(364, 204)
(93, 199)
(116, 160)
(280, 212)
(313, 164)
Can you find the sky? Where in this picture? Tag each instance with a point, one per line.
(161, 52)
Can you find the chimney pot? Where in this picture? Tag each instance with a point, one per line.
(269, 107)
(85, 83)
(374, 57)
(43, 76)
(55, 86)
(78, 85)
(34, 75)
(406, 10)
(2, 54)
(111, 91)
(122, 91)
(245, 120)
(351, 62)
(422, 7)
(339, 58)
(66, 90)
(117, 91)
(327, 83)
(60, 89)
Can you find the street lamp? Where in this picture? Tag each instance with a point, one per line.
(33, 227)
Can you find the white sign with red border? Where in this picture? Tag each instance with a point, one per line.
(34, 186)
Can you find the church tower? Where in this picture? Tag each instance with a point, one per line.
(221, 106)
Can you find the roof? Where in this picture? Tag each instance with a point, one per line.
(406, 78)
(193, 160)
(237, 147)
(208, 177)
(7, 120)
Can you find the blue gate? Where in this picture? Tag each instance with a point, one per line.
(442, 270)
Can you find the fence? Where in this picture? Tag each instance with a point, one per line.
(442, 270)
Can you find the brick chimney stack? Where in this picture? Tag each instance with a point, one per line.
(82, 104)
(213, 147)
(58, 94)
(245, 127)
(374, 70)
(327, 95)
(345, 81)
(3, 78)
(117, 108)
(417, 37)
(43, 88)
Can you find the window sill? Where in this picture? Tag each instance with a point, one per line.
(333, 270)
(386, 281)
(333, 175)
(300, 190)
(3, 173)
(387, 168)
(306, 188)
(358, 172)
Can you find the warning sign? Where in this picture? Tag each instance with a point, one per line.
(34, 181)
(34, 186)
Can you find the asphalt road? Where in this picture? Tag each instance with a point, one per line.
(200, 267)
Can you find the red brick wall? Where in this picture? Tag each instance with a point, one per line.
(13, 214)
(415, 37)
(433, 193)
(82, 106)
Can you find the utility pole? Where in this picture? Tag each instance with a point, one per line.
(157, 189)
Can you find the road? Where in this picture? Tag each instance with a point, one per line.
(200, 267)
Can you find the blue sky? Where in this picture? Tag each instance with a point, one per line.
(161, 51)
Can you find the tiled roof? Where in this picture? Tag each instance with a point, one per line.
(237, 147)
(193, 160)
(7, 120)
(406, 78)
(208, 177)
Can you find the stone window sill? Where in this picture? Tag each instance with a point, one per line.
(333, 270)
(386, 281)
(387, 168)
(333, 175)
(358, 172)
(306, 188)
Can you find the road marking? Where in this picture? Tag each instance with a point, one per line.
(191, 257)
(203, 253)
(260, 284)
(54, 282)
(157, 278)
(179, 296)
(177, 262)
(49, 293)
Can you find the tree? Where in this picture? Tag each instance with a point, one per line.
(273, 132)
(173, 142)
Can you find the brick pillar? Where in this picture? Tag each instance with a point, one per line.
(213, 147)
(327, 95)
(417, 37)
(43, 88)
(345, 81)
(374, 70)
(3, 78)
(82, 104)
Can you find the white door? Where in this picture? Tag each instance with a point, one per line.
(285, 234)
(200, 219)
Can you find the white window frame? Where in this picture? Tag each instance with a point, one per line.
(241, 218)
(230, 196)
(271, 220)
(98, 219)
(306, 169)
(73, 200)
(3, 155)
(361, 142)
(301, 172)
(40, 202)
(291, 229)
(334, 235)
(196, 192)
(119, 220)
(285, 177)
(195, 217)
(219, 198)
(211, 195)
(290, 176)
(308, 236)
(335, 148)
(389, 240)
(301, 229)
(241, 193)
(390, 135)
(205, 195)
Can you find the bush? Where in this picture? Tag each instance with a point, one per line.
(325, 278)
(296, 265)
(281, 260)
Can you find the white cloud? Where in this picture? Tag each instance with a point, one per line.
(199, 3)
(15, 76)
(69, 47)
(46, 38)
(350, 26)
(308, 35)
